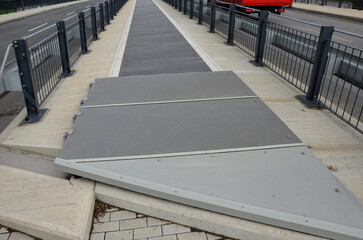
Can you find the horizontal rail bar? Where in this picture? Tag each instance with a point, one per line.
(44, 29)
(349, 33)
(4, 61)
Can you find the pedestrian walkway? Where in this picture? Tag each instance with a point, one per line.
(337, 145)
(155, 46)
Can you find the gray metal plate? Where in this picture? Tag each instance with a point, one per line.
(277, 186)
(174, 127)
(166, 87)
(155, 46)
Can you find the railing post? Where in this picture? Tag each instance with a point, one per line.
(213, 16)
(94, 23)
(320, 61)
(102, 20)
(261, 37)
(191, 15)
(114, 7)
(82, 32)
(26, 79)
(111, 9)
(231, 26)
(200, 17)
(107, 13)
(172, 3)
(180, 5)
(185, 7)
(62, 39)
(176, 4)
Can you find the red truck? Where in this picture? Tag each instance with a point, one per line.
(274, 6)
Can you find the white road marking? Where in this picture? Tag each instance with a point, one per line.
(343, 39)
(70, 13)
(37, 27)
(308, 29)
(87, 6)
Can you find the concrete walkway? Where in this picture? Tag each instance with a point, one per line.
(338, 146)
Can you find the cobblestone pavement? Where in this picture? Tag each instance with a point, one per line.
(118, 224)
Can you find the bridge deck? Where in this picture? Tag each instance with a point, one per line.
(202, 139)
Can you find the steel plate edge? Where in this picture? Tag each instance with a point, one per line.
(240, 210)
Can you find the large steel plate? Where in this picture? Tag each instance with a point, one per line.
(174, 128)
(166, 87)
(287, 187)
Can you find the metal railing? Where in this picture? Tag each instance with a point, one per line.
(328, 72)
(42, 66)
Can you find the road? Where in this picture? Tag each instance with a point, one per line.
(338, 23)
(23, 27)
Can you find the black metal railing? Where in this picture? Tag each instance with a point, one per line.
(328, 72)
(42, 66)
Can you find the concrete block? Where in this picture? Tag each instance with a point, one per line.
(106, 227)
(171, 237)
(43, 206)
(155, 222)
(133, 223)
(122, 235)
(174, 229)
(4, 236)
(20, 236)
(122, 215)
(97, 236)
(192, 236)
(147, 232)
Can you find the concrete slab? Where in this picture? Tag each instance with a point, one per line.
(45, 207)
(198, 218)
(166, 87)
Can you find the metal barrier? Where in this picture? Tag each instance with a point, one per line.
(42, 66)
(328, 72)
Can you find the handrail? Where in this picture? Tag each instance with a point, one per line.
(349, 33)
(4, 62)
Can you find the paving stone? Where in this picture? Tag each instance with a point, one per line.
(3, 230)
(133, 223)
(174, 229)
(4, 236)
(122, 215)
(97, 236)
(171, 237)
(121, 235)
(192, 236)
(104, 218)
(213, 237)
(147, 232)
(106, 227)
(19, 236)
(112, 209)
(155, 222)
(140, 215)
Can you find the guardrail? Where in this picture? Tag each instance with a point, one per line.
(42, 66)
(328, 72)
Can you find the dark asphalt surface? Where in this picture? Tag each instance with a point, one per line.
(338, 22)
(17, 29)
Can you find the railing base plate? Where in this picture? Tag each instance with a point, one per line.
(34, 118)
(311, 104)
(258, 64)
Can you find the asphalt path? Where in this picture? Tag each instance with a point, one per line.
(17, 29)
(337, 22)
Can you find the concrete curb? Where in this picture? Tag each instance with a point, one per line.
(352, 18)
(20, 15)
(208, 221)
